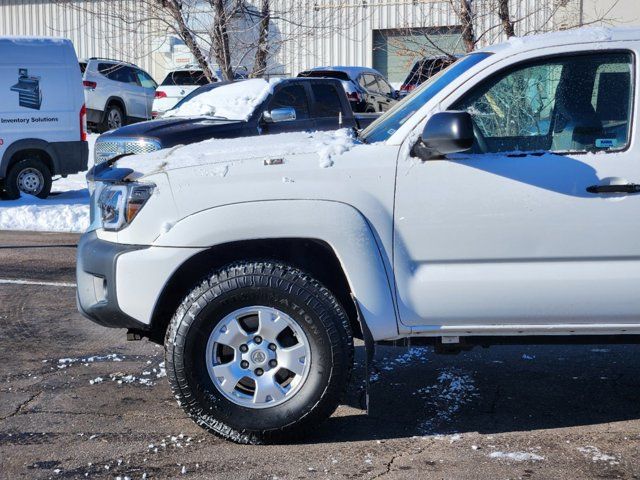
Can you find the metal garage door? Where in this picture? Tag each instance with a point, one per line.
(395, 51)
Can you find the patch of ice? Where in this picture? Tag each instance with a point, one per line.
(517, 456)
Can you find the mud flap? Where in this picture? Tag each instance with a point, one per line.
(371, 371)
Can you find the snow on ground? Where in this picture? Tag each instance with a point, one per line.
(326, 145)
(235, 101)
(66, 209)
(516, 456)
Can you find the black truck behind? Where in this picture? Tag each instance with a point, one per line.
(296, 104)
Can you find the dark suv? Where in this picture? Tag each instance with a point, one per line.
(422, 70)
(367, 90)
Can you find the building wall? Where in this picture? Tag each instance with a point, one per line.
(617, 12)
(75, 19)
(315, 32)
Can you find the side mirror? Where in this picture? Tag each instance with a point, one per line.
(279, 115)
(445, 133)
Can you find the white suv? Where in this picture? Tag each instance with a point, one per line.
(498, 202)
(116, 93)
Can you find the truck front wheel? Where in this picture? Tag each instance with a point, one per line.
(259, 352)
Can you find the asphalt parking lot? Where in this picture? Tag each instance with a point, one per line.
(79, 401)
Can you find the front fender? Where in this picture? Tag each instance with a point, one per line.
(339, 225)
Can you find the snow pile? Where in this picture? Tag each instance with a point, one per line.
(67, 212)
(326, 145)
(516, 456)
(235, 101)
(66, 209)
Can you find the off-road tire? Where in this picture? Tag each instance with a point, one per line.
(10, 187)
(313, 307)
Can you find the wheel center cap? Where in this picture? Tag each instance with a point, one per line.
(258, 356)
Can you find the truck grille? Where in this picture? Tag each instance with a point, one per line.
(107, 149)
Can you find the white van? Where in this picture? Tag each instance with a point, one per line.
(42, 115)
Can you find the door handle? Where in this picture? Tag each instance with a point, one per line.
(628, 188)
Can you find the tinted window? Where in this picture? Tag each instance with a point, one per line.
(83, 66)
(325, 74)
(145, 80)
(327, 100)
(186, 77)
(368, 82)
(577, 103)
(118, 73)
(291, 96)
(383, 86)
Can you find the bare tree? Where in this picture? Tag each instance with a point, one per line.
(465, 13)
(260, 65)
(505, 18)
(174, 8)
(220, 34)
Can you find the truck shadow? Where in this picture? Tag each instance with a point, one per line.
(502, 389)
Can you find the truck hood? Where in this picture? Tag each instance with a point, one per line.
(172, 131)
(221, 154)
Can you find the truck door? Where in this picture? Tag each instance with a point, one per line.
(537, 224)
(287, 99)
(328, 109)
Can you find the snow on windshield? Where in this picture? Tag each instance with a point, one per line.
(235, 101)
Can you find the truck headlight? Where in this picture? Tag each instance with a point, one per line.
(119, 204)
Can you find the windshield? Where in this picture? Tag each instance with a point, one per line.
(233, 101)
(388, 124)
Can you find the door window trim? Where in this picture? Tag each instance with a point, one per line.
(531, 61)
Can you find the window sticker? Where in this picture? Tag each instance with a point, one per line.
(606, 143)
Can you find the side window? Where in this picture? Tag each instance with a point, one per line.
(292, 96)
(564, 104)
(369, 83)
(145, 80)
(327, 100)
(383, 86)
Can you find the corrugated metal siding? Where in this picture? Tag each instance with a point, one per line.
(340, 32)
(309, 33)
(75, 20)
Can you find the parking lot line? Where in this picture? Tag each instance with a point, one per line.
(36, 282)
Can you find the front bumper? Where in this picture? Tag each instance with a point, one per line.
(96, 278)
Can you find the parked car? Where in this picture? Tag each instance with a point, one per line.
(212, 111)
(366, 88)
(116, 93)
(179, 83)
(42, 115)
(424, 69)
(450, 222)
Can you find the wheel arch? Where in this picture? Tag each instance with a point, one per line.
(25, 147)
(329, 240)
(117, 101)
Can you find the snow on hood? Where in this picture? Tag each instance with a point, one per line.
(235, 101)
(326, 145)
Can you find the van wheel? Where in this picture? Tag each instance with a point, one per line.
(30, 176)
(113, 118)
(259, 352)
